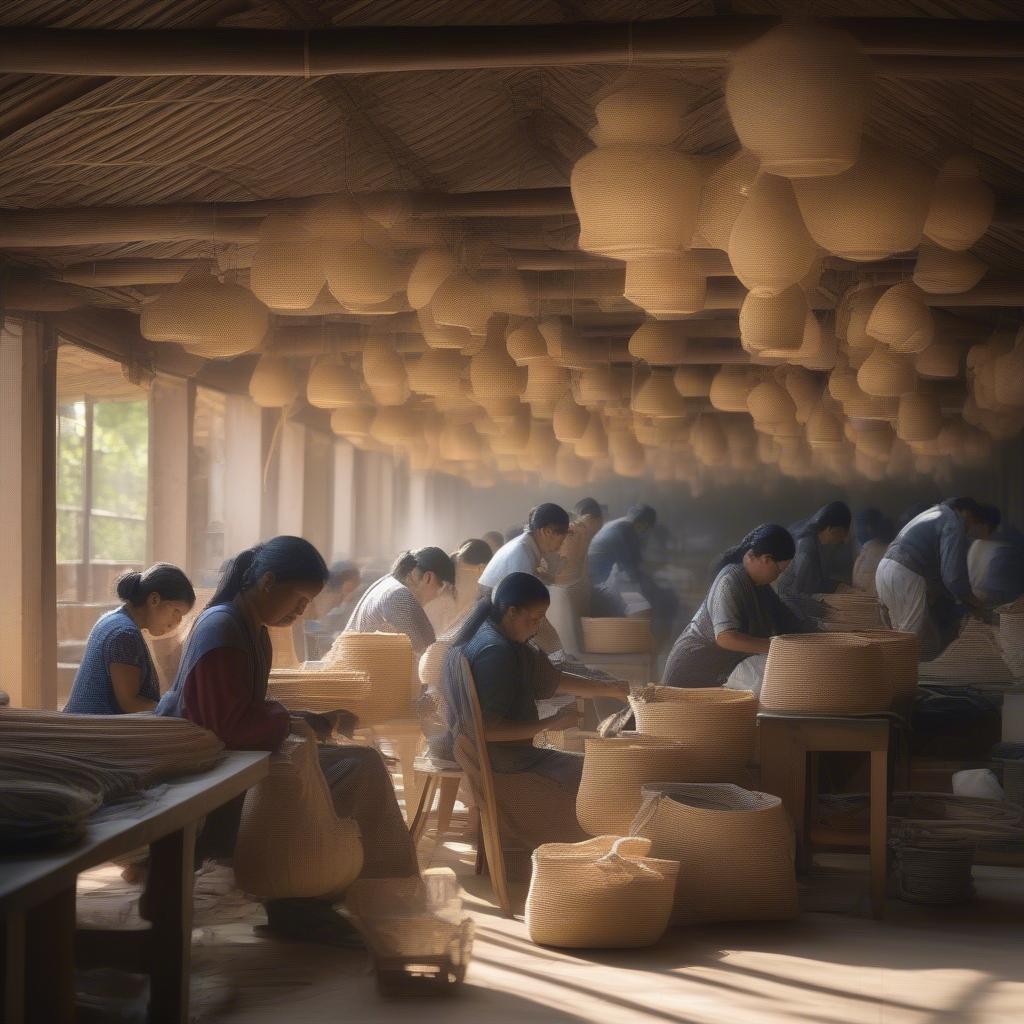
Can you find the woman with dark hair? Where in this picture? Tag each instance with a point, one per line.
(395, 603)
(117, 675)
(454, 604)
(510, 675)
(808, 573)
(546, 529)
(222, 686)
(740, 614)
(874, 532)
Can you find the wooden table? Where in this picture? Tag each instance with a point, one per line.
(37, 899)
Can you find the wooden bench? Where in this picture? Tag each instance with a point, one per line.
(37, 899)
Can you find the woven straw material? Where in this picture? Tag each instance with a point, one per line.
(546, 381)
(667, 287)
(886, 374)
(641, 106)
(40, 815)
(436, 372)
(635, 201)
(962, 205)
(710, 444)
(384, 373)
(1011, 641)
(569, 420)
(91, 774)
(657, 397)
(693, 381)
(441, 336)
(615, 770)
(568, 740)
(388, 661)
(352, 421)
(319, 690)
(525, 343)
(290, 842)
(601, 385)
(730, 387)
(659, 344)
(735, 850)
(360, 273)
(974, 656)
(939, 361)
(594, 442)
(874, 209)
(725, 190)
(565, 345)
(606, 893)
(287, 271)
(773, 322)
(616, 635)
(511, 294)
(919, 419)
(432, 268)
(462, 302)
(902, 320)
(943, 821)
(899, 658)
(334, 386)
(825, 428)
(273, 384)
(826, 673)
(940, 271)
(717, 725)
(154, 747)
(493, 373)
(797, 97)
(851, 611)
(769, 248)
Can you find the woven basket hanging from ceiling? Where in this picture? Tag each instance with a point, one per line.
(594, 442)
(525, 343)
(463, 303)
(693, 381)
(569, 420)
(605, 893)
(287, 271)
(273, 384)
(887, 374)
(735, 848)
(773, 322)
(438, 336)
(725, 190)
(360, 273)
(730, 387)
(333, 385)
(432, 268)
(436, 372)
(657, 396)
(352, 421)
(940, 271)
(511, 293)
(902, 320)
(962, 205)
(939, 361)
(920, 418)
(667, 287)
(388, 660)
(659, 344)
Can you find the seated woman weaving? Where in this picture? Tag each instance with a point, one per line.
(222, 686)
(510, 676)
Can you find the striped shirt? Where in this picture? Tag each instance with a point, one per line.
(388, 606)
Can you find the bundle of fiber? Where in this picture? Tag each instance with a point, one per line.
(605, 893)
(825, 673)
(614, 772)
(616, 635)
(716, 725)
(1011, 641)
(92, 774)
(387, 659)
(320, 690)
(900, 657)
(973, 657)
(290, 842)
(155, 747)
(735, 850)
(850, 611)
(37, 814)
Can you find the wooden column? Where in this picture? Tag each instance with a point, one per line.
(317, 507)
(28, 557)
(343, 526)
(167, 538)
(243, 474)
(291, 459)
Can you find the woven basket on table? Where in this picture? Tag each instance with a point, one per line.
(606, 893)
(825, 674)
(718, 726)
(321, 691)
(735, 850)
(614, 772)
(290, 841)
(388, 660)
(899, 655)
(616, 635)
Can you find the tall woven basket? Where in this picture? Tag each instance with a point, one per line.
(735, 850)
(605, 893)
(388, 660)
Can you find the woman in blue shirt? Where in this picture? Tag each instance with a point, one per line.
(117, 675)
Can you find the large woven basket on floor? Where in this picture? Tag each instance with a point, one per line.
(825, 674)
(975, 656)
(616, 635)
(614, 772)
(290, 841)
(735, 850)
(716, 725)
(606, 893)
(327, 689)
(388, 660)
(899, 654)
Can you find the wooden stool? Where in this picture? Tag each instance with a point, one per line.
(435, 777)
(787, 739)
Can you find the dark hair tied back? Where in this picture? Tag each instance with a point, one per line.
(426, 560)
(548, 514)
(163, 579)
(767, 539)
(287, 559)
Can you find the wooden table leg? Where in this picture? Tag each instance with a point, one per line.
(12, 984)
(784, 774)
(50, 960)
(879, 827)
(169, 902)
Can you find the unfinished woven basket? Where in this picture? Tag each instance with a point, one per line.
(290, 841)
(606, 893)
(900, 657)
(850, 611)
(718, 726)
(319, 691)
(616, 635)
(614, 772)
(825, 673)
(735, 850)
(388, 660)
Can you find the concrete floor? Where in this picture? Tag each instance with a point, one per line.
(919, 966)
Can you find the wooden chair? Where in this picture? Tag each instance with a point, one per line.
(440, 779)
(471, 754)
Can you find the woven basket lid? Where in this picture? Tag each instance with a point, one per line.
(273, 384)
(594, 442)
(435, 372)
(659, 344)
(511, 294)
(920, 418)
(940, 271)
(432, 268)
(962, 205)
(769, 248)
(726, 187)
(569, 420)
(635, 201)
(667, 287)
(525, 343)
(902, 320)
(730, 387)
(359, 272)
(773, 321)
(693, 381)
(463, 303)
(286, 272)
(939, 361)
(874, 209)
(886, 374)
(658, 397)
(797, 97)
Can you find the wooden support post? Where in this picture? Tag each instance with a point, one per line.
(167, 537)
(50, 960)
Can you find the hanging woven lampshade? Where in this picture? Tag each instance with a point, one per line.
(657, 396)
(710, 444)
(797, 97)
(656, 433)
(730, 387)
(693, 381)
(920, 418)
(273, 384)
(525, 343)
(384, 373)
(360, 273)
(352, 420)
(667, 287)
(862, 406)
(286, 272)
(825, 429)
(803, 387)
(659, 344)
(853, 312)
(842, 383)
(635, 201)
(432, 268)
(436, 372)
(594, 442)
(886, 374)
(462, 302)
(819, 347)
(570, 420)
(395, 425)
(510, 293)
(773, 322)
(769, 403)
(541, 447)
(724, 192)
(493, 373)
(940, 271)
(513, 436)
(598, 385)
(546, 381)
(565, 346)
(939, 361)
(962, 205)
(641, 107)
(902, 320)
(333, 385)
(769, 247)
(871, 211)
